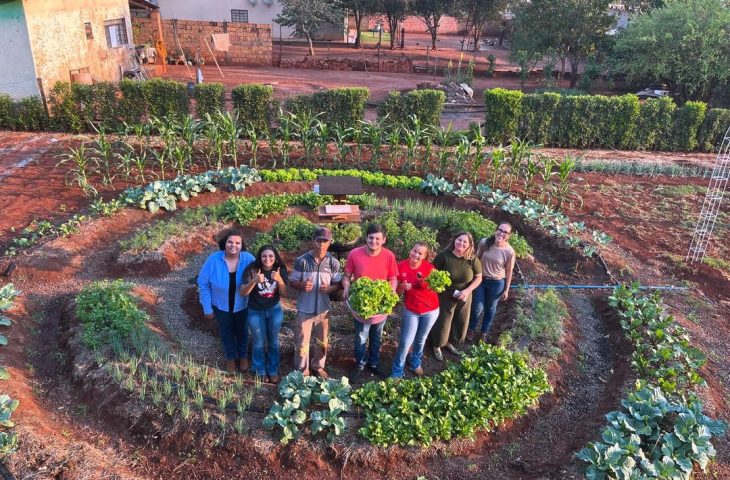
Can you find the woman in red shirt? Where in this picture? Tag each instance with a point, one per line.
(421, 309)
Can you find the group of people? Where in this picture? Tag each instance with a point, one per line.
(243, 293)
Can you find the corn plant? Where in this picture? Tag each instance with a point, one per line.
(215, 147)
(479, 142)
(393, 140)
(253, 138)
(357, 137)
(375, 136)
(103, 149)
(284, 138)
(461, 157)
(411, 136)
(518, 150)
(81, 168)
(189, 132)
(323, 134)
(305, 131)
(546, 173)
(565, 168)
(340, 135)
(497, 162)
(530, 170)
(230, 133)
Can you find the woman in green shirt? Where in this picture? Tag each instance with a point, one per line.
(455, 302)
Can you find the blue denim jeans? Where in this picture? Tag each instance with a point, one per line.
(364, 332)
(265, 326)
(484, 302)
(414, 330)
(233, 331)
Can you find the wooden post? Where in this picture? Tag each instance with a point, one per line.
(182, 52)
(160, 38)
(205, 39)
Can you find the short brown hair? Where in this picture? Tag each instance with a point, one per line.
(231, 232)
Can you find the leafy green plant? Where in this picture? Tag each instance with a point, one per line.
(489, 386)
(652, 437)
(107, 308)
(538, 324)
(372, 297)
(438, 280)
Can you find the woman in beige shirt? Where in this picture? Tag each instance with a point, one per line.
(498, 259)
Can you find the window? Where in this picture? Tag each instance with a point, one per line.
(239, 16)
(116, 33)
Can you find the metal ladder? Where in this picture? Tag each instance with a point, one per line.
(711, 205)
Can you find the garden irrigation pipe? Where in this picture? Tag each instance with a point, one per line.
(597, 287)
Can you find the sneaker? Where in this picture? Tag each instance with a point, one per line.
(321, 374)
(437, 354)
(376, 370)
(452, 349)
(417, 371)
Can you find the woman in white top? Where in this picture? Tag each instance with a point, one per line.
(498, 260)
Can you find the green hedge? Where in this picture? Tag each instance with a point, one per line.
(338, 107)
(252, 104)
(654, 126)
(596, 121)
(65, 114)
(504, 109)
(7, 109)
(713, 128)
(425, 104)
(132, 104)
(165, 98)
(210, 98)
(31, 115)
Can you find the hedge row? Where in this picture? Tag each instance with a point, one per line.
(588, 121)
(425, 105)
(338, 107)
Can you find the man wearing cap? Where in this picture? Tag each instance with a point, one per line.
(315, 276)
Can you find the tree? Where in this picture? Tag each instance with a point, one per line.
(307, 16)
(477, 13)
(572, 29)
(431, 12)
(685, 44)
(394, 12)
(359, 9)
(642, 6)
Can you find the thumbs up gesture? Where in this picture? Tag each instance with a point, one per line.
(275, 276)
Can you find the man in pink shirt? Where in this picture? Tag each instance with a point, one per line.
(377, 263)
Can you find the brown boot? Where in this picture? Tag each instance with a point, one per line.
(243, 365)
(230, 366)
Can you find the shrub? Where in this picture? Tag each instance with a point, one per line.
(538, 111)
(425, 104)
(504, 108)
(106, 104)
(132, 106)
(107, 309)
(210, 98)
(165, 98)
(654, 125)
(7, 112)
(31, 115)
(252, 103)
(83, 98)
(64, 112)
(686, 123)
(713, 128)
(338, 107)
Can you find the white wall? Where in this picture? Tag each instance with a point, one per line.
(220, 11)
(17, 73)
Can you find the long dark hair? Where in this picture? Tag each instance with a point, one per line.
(278, 263)
(488, 242)
(231, 232)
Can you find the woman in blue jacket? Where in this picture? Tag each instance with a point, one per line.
(219, 284)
